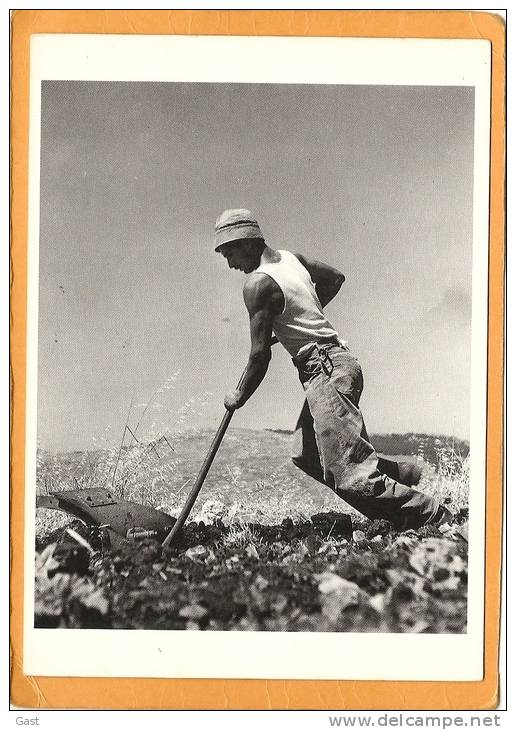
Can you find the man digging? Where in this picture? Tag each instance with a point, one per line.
(285, 295)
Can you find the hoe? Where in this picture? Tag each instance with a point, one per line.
(120, 519)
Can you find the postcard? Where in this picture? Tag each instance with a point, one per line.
(257, 378)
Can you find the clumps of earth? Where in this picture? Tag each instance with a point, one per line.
(321, 574)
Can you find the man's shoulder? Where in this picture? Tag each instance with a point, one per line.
(259, 281)
(260, 288)
(300, 257)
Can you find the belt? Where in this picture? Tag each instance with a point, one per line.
(307, 350)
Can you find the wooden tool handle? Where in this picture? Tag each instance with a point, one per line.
(200, 478)
(204, 468)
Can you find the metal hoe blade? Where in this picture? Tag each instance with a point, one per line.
(98, 506)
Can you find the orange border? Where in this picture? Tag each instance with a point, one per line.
(101, 693)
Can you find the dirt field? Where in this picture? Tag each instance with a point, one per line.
(269, 548)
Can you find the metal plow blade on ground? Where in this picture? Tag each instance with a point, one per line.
(117, 519)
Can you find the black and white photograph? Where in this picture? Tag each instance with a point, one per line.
(258, 296)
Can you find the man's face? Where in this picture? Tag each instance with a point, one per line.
(241, 255)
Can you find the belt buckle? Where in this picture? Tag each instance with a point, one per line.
(325, 359)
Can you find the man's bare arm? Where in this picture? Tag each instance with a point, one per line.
(260, 297)
(327, 279)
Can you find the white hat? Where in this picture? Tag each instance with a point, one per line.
(235, 224)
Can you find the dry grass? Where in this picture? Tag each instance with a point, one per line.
(158, 454)
(449, 483)
(238, 489)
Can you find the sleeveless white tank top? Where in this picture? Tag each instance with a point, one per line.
(302, 320)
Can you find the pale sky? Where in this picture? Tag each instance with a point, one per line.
(377, 181)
